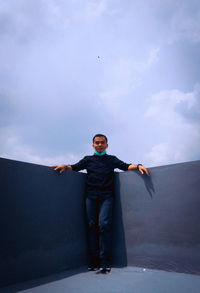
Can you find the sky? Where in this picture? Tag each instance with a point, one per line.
(127, 69)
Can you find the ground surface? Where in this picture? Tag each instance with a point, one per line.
(119, 280)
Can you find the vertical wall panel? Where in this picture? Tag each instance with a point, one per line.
(161, 217)
(42, 221)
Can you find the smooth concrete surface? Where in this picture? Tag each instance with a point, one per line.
(42, 221)
(124, 280)
(156, 222)
(161, 217)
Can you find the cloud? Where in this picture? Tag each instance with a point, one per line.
(95, 9)
(153, 57)
(174, 115)
(189, 108)
(162, 154)
(163, 104)
(185, 21)
(126, 75)
(175, 20)
(35, 19)
(14, 149)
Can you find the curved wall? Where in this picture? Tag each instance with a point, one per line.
(156, 220)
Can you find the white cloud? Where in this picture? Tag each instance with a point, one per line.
(95, 9)
(175, 20)
(185, 22)
(126, 75)
(15, 150)
(153, 57)
(56, 14)
(162, 154)
(179, 134)
(162, 105)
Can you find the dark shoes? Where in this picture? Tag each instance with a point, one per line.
(104, 270)
(94, 264)
(102, 266)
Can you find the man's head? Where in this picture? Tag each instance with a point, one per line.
(100, 142)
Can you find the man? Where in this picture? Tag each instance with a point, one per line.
(99, 199)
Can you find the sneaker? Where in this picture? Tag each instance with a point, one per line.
(94, 264)
(104, 267)
(93, 268)
(104, 270)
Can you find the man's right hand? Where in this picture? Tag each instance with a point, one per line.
(62, 168)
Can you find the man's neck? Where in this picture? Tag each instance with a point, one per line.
(100, 154)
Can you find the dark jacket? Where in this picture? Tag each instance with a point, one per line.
(100, 174)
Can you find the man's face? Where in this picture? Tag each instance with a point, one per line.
(100, 144)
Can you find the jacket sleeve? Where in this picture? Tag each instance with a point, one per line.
(81, 165)
(120, 164)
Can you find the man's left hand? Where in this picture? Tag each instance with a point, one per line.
(143, 170)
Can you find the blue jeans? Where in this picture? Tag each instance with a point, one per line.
(99, 219)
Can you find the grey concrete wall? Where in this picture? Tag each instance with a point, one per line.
(161, 217)
(156, 220)
(42, 221)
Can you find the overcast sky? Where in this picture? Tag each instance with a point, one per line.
(128, 69)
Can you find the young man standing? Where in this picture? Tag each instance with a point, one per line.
(99, 199)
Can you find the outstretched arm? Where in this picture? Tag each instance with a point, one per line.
(62, 168)
(139, 167)
(82, 164)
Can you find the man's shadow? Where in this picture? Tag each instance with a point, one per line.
(119, 256)
(148, 183)
(119, 253)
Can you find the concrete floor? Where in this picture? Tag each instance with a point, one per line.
(119, 280)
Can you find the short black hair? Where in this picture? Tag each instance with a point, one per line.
(99, 135)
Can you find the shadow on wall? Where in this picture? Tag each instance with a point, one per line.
(119, 257)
